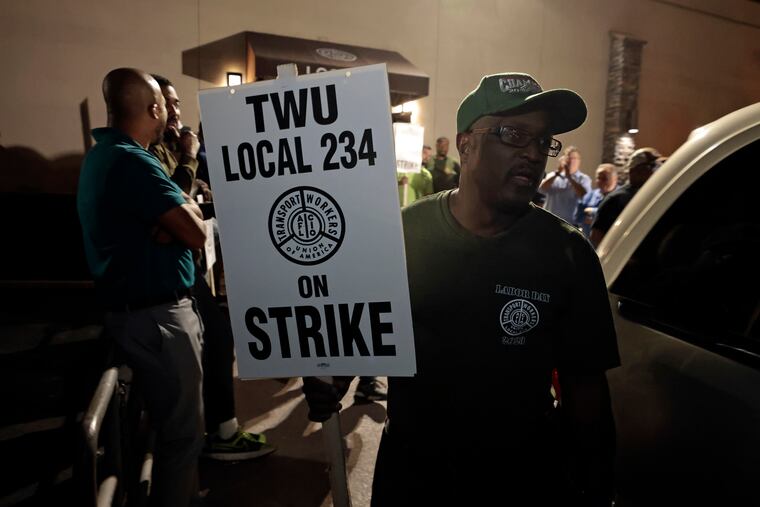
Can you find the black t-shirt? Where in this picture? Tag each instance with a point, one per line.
(492, 317)
(612, 205)
(445, 172)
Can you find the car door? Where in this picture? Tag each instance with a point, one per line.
(686, 300)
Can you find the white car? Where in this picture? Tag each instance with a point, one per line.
(682, 264)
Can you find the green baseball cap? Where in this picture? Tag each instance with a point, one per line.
(499, 93)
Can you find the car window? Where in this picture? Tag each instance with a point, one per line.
(697, 273)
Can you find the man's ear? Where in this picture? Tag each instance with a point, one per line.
(153, 111)
(463, 144)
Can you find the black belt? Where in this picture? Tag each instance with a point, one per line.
(132, 306)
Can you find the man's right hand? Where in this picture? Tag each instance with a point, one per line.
(171, 134)
(562, 166)
(189, 143)
(323, 398)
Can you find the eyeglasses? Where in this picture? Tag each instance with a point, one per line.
(513, 136)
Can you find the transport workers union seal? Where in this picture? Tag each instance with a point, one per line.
(518, 316)
(306, 225)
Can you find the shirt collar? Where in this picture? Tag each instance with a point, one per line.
(112, 135)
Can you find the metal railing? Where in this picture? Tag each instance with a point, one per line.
(103, 416)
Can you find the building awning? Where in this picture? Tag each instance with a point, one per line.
(256, 56)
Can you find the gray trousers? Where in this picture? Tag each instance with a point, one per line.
(162, 346)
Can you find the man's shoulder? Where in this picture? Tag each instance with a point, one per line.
(166, 158)
(138, 167)
(597, 195)
(619, 194)
(566, 239)
(138, 154)
(424, 213)
(115, 154)
(423, 175)
(423, 206)
(551, 225)
(163, 153)
(124, 152)
(134, 157)
(592, 196)
(158, 149)
(611, 206)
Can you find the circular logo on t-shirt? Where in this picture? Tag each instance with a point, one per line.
(306, 225)
(518, 316)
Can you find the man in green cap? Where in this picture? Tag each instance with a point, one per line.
(514, 305)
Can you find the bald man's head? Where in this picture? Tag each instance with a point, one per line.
(135, 102)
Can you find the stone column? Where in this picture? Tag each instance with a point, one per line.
(621, 112)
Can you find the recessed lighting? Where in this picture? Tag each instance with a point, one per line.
(234, 79)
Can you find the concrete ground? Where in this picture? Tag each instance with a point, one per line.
(296, 474)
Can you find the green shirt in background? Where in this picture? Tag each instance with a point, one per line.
(122, 191)
(420, 184)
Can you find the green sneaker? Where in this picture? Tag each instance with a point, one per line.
(241, 446)
(259, 437)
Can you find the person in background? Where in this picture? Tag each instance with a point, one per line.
(225, 441)
(566, 186)
(427, 156)
(445, 170)
(606, 182)
(202, 175)
(639, 168)
(418, 184)
(502, 293)
(139, 230)
(179, 145)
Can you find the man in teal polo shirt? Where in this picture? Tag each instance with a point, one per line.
(139, 229)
